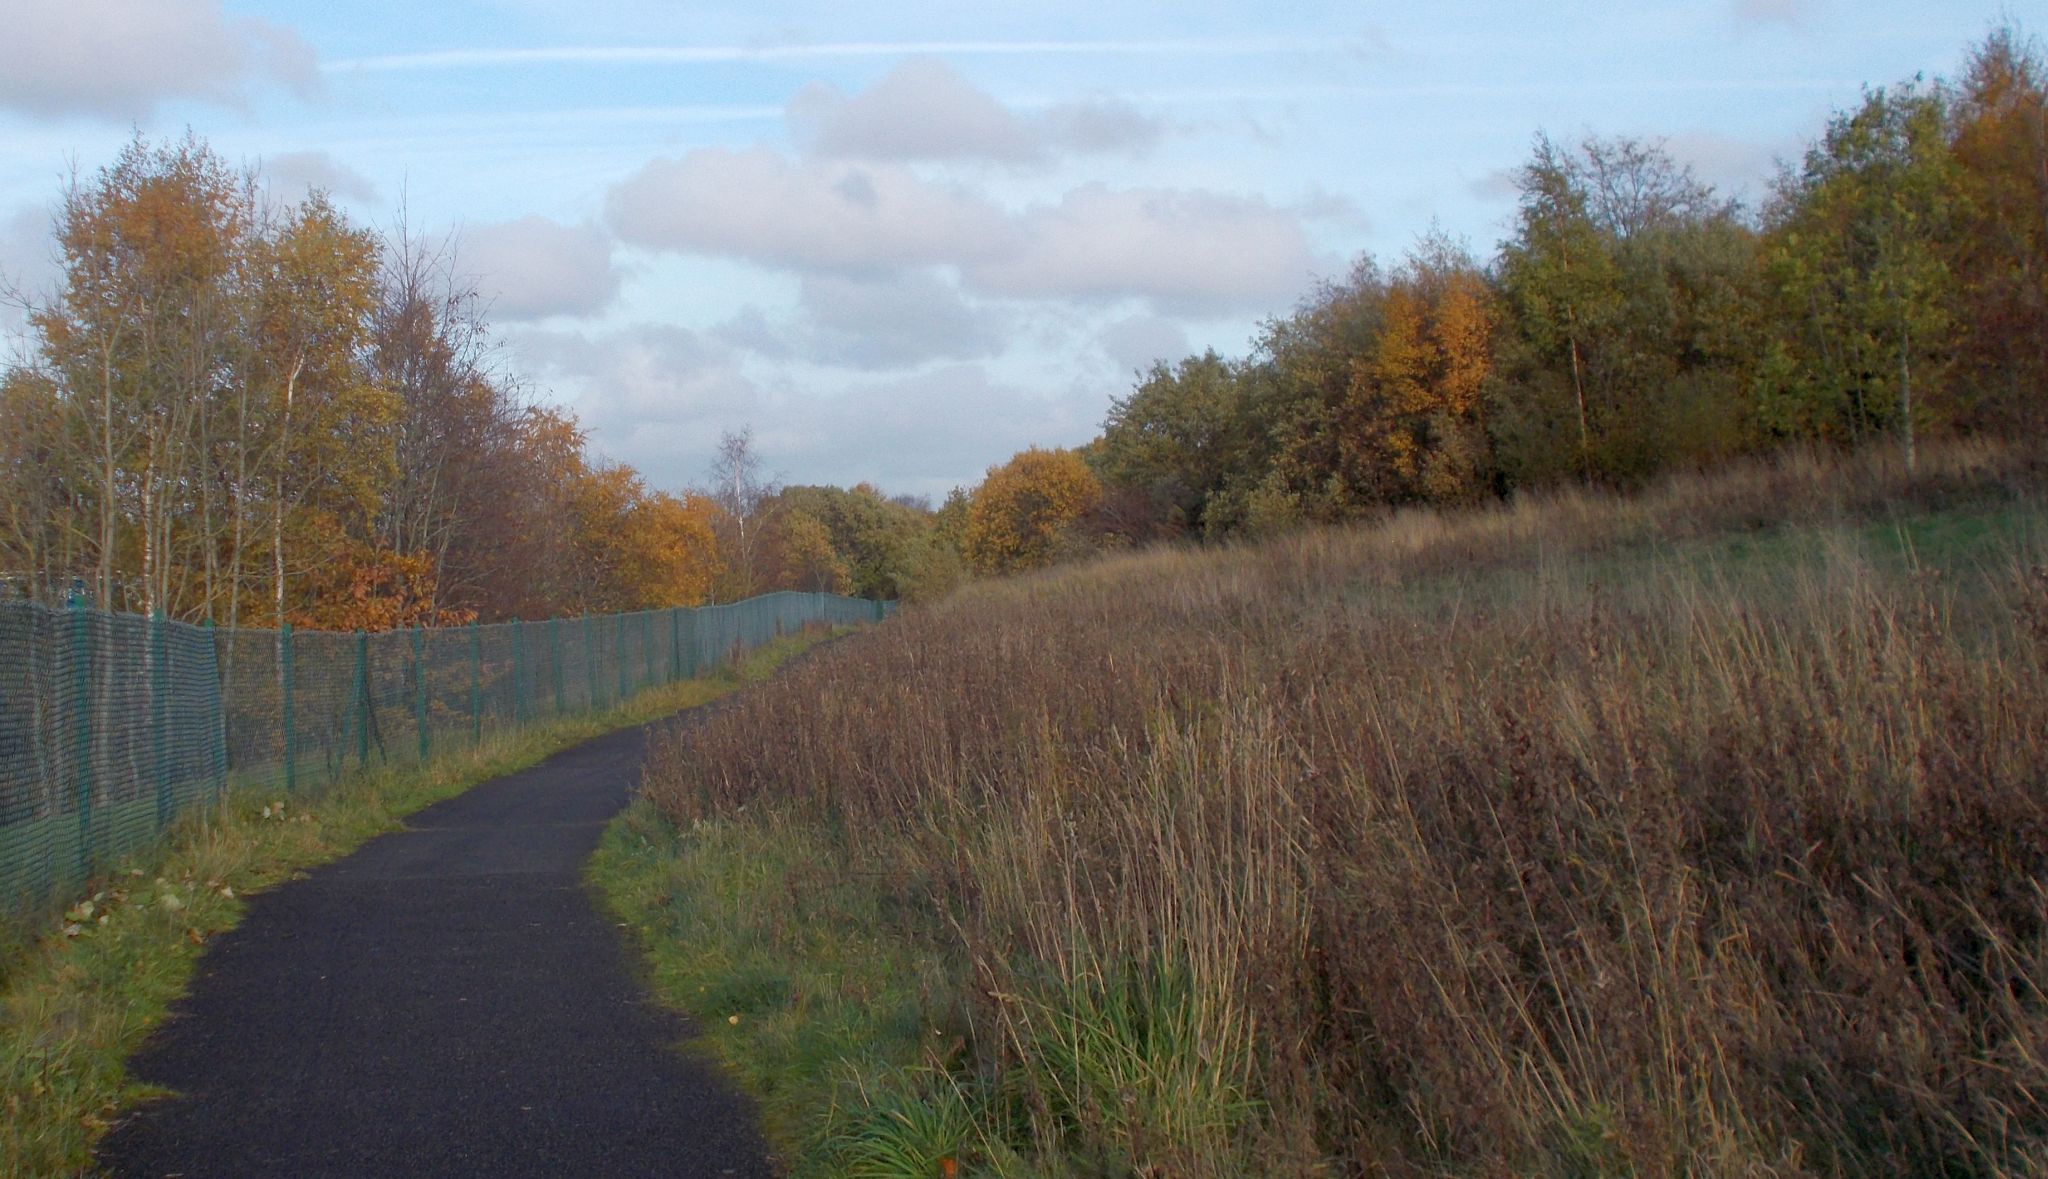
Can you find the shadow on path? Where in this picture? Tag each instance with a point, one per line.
(446, 1001)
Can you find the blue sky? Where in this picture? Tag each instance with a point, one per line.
(904, 241)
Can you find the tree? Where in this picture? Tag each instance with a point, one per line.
(1998, 247)
(331, 443)
(1180, 437)
(809, 560)
(1020, 515)
(637, 549)
(745, 496)
(1856, 254)
(1627, 318)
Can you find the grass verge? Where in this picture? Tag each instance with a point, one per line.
(77, 999)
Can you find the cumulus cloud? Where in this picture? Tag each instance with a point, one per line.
(873, 323)
(1178, 247)
(659, 397)
(818, 215)
(27, 249)
(294, 172)
(117, 59)
(28, 266)
(1136, 342)
(533, 268)
(1185, 248)
(1734, 166)
(923, 110)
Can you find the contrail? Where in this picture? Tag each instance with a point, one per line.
(456, 59)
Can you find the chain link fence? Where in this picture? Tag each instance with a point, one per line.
(113, 724)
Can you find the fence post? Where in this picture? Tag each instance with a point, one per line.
(476, 686)
(518, 674)
(159, 718)
(686, 640)
(419, 689)
(555, 658)
(219, 712)
(362, 700)
(589, 658)
(81, 730)
(286, 713)
(619, 655)
(675, 644)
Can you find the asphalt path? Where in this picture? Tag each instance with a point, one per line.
(447, 1001)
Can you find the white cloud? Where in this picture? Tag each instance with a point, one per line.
(613, 55)
(760, 206)
(1180, 247)
(294, 172)
(28, 249)
(1794, 13)
(659, 397)
(28, 268)
(117, 59)
(1737, 167)
(878, 323)
(1134, 343)
(533, 268)
(923, 110)
(1103, 125)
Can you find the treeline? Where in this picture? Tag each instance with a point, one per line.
(250, 412)
(1893, 287)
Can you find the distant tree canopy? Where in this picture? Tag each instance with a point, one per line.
(1894, 287)
(255, 413)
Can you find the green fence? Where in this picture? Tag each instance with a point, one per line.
(111, 724)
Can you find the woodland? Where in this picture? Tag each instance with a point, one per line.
(253, 412)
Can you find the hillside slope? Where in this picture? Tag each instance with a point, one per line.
(1700, 832)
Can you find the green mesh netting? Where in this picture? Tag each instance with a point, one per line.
(111, 724)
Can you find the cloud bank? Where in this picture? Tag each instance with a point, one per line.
(119, 59)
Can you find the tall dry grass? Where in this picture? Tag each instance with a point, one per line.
(1566, 837)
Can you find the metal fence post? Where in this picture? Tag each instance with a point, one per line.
(286, 713)
(476, 687)
(518, 674)
(686, 640)
(555, 659)
(419, 689)
(81, 730)
(619, 655)
(218, 713)
(362, 700)
(589, 659)
(675, 644)
(159, 718)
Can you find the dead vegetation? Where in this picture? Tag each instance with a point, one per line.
(1704, 832)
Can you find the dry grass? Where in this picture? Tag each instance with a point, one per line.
(1699, 833)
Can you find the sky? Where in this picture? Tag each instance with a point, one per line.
(902, 241)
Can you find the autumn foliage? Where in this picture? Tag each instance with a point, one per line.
(255, 414)
(1025, 509)
(1634, 322)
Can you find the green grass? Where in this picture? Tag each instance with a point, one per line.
(825, 997)
(80, 994)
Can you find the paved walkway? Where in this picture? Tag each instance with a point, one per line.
(447, 1001)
